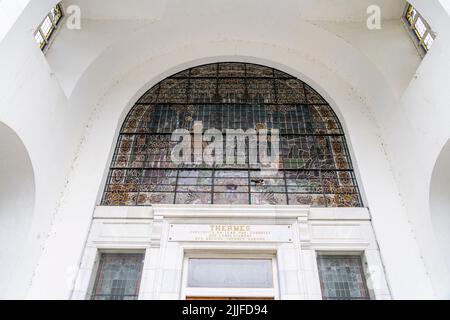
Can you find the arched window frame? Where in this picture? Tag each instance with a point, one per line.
(193, 94)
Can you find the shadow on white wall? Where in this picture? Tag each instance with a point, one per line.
(17, 192)
(440, 203)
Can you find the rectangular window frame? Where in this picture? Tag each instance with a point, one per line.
(359, 254)
(94, 275)
(192, 293)
(48, 38)
(410, 25)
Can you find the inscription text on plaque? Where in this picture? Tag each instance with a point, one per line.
(228, 232)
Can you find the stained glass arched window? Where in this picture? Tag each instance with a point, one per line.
(314, 166)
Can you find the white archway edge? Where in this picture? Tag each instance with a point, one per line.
(87, 178)
(440, 206)
(17, 200)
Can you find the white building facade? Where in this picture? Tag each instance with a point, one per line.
(64, 112)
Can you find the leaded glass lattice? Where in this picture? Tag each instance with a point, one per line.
(118, 277)
(315, 166)
(342, 278)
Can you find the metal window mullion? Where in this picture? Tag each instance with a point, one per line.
(188, 89)
(422, 42)
(286, 187)
(246, 97)
(249, 186)
(319, 169)
(427, 30)
(176, 186)
(415, 19)
(415, 31)
(213, 183)
(228, 169)
(275, 89)
(114, 159)
(45, 42)
(217, 83)
(52, 28)
(133, 153)
(55, 23)
(51, 20)
(58, 17)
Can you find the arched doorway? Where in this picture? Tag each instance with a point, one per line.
(16, 206)
(314, 167)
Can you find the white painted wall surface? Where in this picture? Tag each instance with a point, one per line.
(415, 130)
(10, 10)
(67, 108)
(440, 202)
(33, 105)
(17, 197)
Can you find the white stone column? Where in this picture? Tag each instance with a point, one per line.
(311, 274)
(375, 276)
(163, 267)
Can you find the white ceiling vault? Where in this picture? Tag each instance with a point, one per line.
(318, 10)
(288, 23)
(348, 10)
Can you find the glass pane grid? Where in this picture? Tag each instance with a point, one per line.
(47, 28)
(315, 166)
(118, 277)
(39, 39)
(342, 278)
(420, 28)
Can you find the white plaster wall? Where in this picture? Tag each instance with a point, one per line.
(104, 67)
(440, 202)
(378, 47)
(16, 210)
(445, 4)
(415, 130)
(10, 10)
(33, 105)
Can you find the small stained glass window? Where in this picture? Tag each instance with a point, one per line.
(118, 277)
(342, 278)
(47, 28)
(421, 31)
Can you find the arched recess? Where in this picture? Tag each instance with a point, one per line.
(440, 202)
(17, 197)
(315, 162)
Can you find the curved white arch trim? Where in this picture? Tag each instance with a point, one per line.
(17, 200)
(440, 206)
